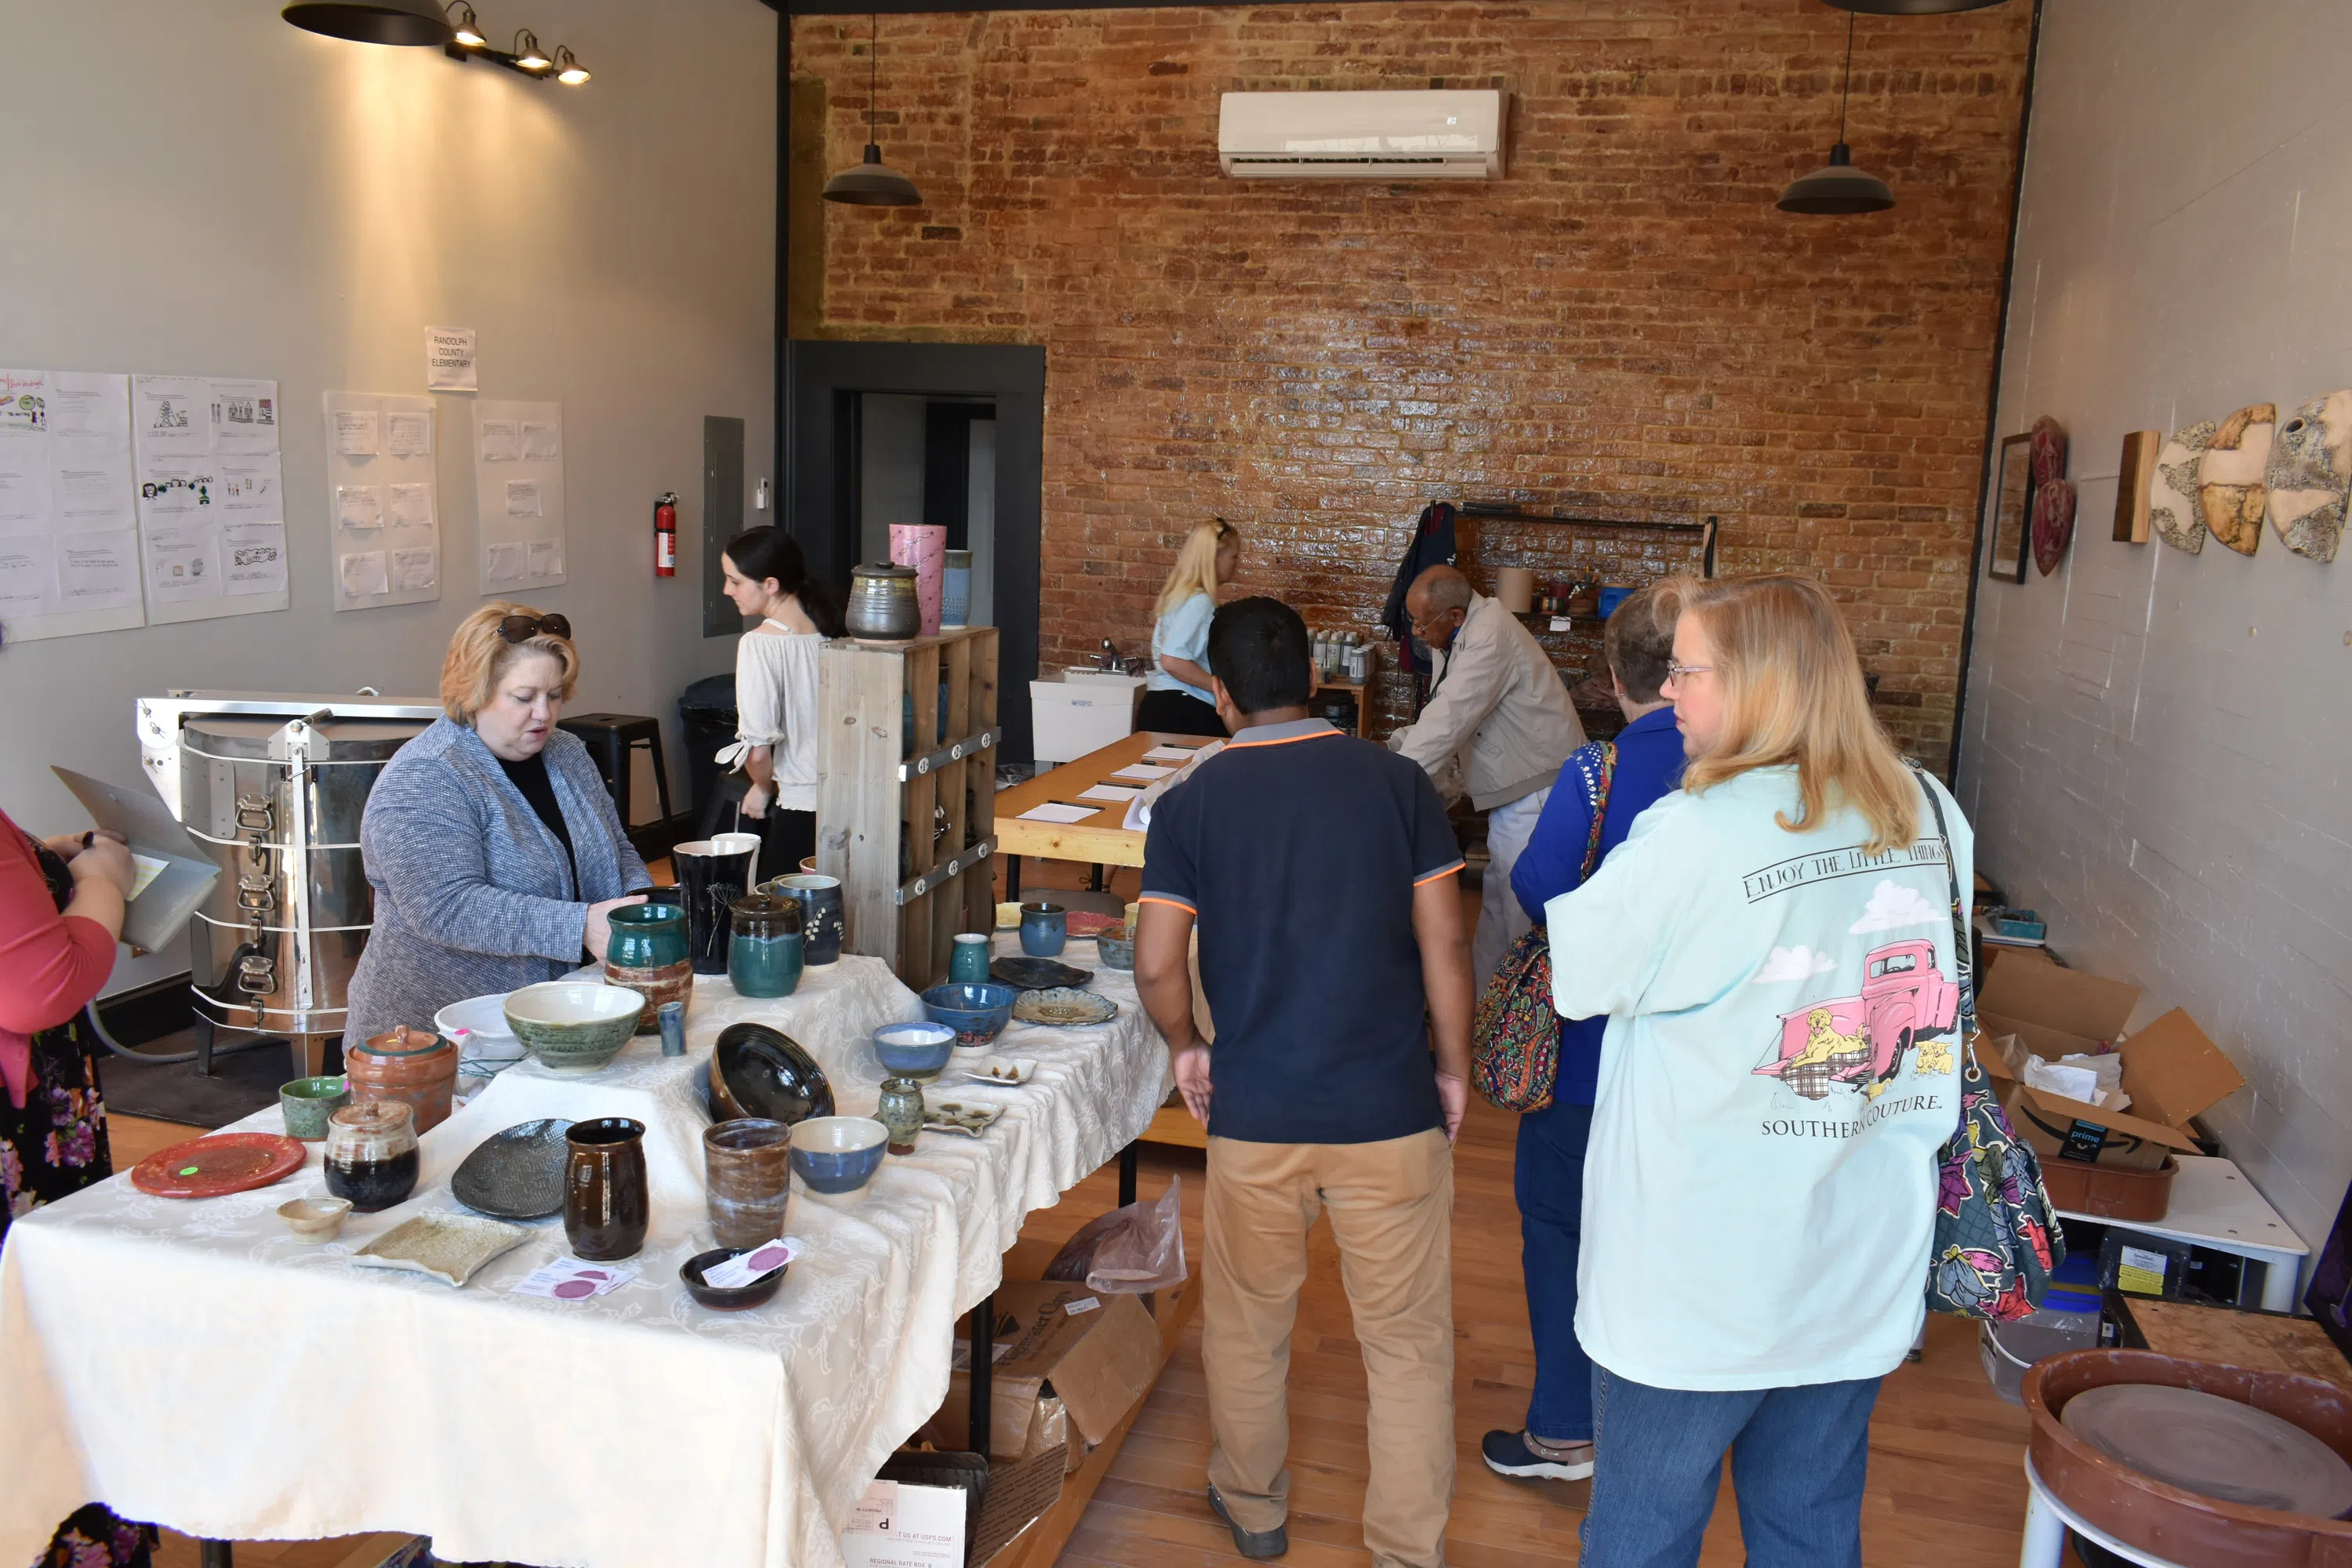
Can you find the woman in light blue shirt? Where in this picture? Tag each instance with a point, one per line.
(1176, 699)
(1773, 947)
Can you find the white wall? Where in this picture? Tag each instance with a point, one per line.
(2156, 746)
(198, 187)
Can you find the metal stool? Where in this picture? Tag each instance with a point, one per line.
(610, 738)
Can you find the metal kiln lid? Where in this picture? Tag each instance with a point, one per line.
(336, 740)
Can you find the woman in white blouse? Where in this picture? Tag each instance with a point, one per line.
(775, 690)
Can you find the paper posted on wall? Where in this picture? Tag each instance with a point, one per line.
(450, 359)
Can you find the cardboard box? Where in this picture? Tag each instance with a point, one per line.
(2171, 1070)
(1075, 716)
(1058, 1369)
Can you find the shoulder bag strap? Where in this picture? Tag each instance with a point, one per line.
(1962, 957)
(1600, 787)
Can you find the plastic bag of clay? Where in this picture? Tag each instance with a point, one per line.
(1128, 1251)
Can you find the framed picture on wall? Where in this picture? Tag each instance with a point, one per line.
(2012, 500)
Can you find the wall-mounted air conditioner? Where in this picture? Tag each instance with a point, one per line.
(1429, 135)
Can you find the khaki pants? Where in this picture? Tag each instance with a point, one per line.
(1391, 1208)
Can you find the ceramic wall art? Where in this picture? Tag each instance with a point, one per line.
(2310, 476)
(2005, 559)
(2172, 497)
(2054, 522)
(2134, 476)
(2047, 444)
(2230, 492)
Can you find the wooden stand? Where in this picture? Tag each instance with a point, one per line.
(911, 877)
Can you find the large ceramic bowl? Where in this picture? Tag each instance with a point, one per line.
(976, 1010)
(573, 1023)
(758, 1071)
(835, 1154)
(914, 1051)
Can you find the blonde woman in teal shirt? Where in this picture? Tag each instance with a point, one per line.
(1176, 696)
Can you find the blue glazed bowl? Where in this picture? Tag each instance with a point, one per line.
(976, 1010)
(835, 1154)
(914, 1051)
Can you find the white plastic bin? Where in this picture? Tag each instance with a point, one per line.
(1084, 712)
(2009, 1349)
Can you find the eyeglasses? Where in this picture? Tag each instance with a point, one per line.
(522, 629)
(1685, 671)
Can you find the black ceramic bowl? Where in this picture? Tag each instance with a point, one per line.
(758, 1071)
(736, 1300)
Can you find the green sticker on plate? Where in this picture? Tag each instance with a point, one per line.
(188, 1170)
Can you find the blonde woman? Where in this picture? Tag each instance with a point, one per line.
(1754, 1258)
(494, 852)
(1176, 698)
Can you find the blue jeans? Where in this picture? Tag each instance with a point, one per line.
(1549, 1180)
(1797, 1458)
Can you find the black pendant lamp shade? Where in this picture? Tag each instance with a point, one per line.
(412, 22)
(1912, 7)
(871, 183)
(1838, 189)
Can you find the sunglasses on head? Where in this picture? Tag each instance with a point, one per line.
(522, 629)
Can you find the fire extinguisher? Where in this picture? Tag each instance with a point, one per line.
(665, 535)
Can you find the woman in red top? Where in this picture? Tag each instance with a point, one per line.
(60, 912)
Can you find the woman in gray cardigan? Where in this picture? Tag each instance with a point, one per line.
(493, 850)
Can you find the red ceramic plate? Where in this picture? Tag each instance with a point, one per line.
(1086, 923)
(225, 1163)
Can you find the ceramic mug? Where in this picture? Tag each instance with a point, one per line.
(970, 961)
(749, 1167)
(821, 924)
(306, 1103)
(606, 1205)
(1045, 928)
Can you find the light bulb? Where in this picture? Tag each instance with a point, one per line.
(527, 55)
(568, 70)
(469, 30)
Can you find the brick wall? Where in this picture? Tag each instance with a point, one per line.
(1623, 327)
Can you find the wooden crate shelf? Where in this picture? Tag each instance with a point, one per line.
(906, 813)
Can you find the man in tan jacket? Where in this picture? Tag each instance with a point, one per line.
(1498, 713)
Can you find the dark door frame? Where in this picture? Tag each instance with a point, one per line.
(819, 372)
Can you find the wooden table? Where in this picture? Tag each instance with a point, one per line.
(1103, 839)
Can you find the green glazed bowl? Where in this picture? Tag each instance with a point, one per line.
(308, 1103)
(573, 1023)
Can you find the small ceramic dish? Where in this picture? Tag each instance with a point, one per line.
(964, 1120)
(315, 1219)
(566, 1024)
(915, 1050)
(1116, 948)
(449, 1247)
(1002, 1072)
(837, 1154)
(1063, 1007)
(719, 1298)
(976, 1010)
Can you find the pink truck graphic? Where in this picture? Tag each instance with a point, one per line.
(1861, 1039)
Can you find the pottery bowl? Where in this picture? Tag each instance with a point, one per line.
(758, 1071)
(574, 1023)
(308, 1103)
(315, 1219)
(835, 1154)
(914, 1051)
(720, 1299)
(1116, 948)
(977, 1010)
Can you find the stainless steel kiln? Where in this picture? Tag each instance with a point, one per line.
(274, 787)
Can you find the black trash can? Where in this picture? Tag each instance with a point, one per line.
(706, 715)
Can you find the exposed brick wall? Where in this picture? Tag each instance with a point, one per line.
(1624, 326)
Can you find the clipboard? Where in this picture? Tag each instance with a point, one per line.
(159, 915)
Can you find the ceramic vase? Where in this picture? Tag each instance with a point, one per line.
(747, 1164)
(900, 1109)
(763, 952)
(606, 1203)
(713, 873)
(882, 604)
(970, 959)
(821, 921)
(647, 954)
(955, 590)
(924, 547)
(1044, 930)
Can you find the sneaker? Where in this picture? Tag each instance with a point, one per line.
(1256, 1543)
(1513, 1454)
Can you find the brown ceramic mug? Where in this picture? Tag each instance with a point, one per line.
(748, 1164)
(606, 1206)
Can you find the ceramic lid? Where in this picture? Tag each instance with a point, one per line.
(885, 570)
(765, 914)
(375, 1118)
(403, 1041)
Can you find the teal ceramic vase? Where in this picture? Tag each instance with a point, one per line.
(970, 961)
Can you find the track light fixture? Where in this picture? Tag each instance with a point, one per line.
(871, 183)
(1838, 188)
(468, 42)
(526, 55)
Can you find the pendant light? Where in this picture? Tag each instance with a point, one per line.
(415, 22)
(1913, 7)
(1838, 188)
(872, 183)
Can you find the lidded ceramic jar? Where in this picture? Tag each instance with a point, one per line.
(882, 604)
(371, 1158)
(416, 1067)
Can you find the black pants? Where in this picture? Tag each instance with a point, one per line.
(1178, 713)
(786, 839)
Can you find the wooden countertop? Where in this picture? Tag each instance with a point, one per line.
(1101, 839)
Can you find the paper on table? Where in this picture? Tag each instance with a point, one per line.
(98, 571)
(1054, 811)
(183, 562)
(538, 443)
(28, 578)
(408, 433)
(546, 557)
(255, 556)
(363, 574)
(1109, 792)
(506, 562)
(569, 1279)
(501, 440)
(411, 505)
(1170, 755)
(522, 497)
(359, 506)
(356, 432)
(414, 569)
(1146, 771)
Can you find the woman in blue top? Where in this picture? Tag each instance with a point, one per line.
(1176, 699)
(1773, 946)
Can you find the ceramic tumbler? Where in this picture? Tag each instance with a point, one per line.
(970, 959)
(713, 873)
(647, 954)
(900, 1109)
(820, 922)
(924, 547)
(606, 1203)
(955, 591)
(764, 955)
(673, 1028)
(748, 1164)
(307, 1104)
(371, 1158)
(1045, 928)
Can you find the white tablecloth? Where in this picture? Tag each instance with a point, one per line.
(190, 1363)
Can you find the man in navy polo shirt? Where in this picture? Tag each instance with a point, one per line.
(1320, 872)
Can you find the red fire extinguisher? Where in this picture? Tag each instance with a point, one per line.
(665, 535)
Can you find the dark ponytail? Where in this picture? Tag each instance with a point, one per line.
(763, 553)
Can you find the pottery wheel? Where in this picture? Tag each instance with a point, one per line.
(2213, 1446)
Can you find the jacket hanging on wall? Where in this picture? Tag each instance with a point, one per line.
(1433, 545)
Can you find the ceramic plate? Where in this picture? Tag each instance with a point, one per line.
(449, 1247)
(517, 1173)
(225, 1163)
(1002, 1072)
(1063, 1007)
(964, 1120)
(1025, 974)
(484, 1015)
(1088, 923)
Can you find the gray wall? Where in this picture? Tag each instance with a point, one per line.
(2155, 744)
(199, 187)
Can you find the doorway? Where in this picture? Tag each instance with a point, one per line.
(948, 434)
